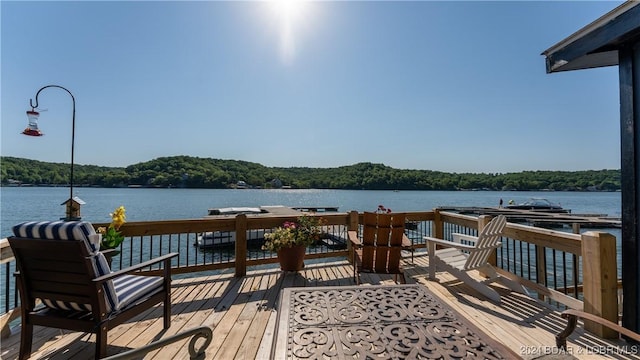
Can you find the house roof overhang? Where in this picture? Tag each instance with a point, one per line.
(597, 44)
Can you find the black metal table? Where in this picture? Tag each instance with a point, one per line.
(381, 321)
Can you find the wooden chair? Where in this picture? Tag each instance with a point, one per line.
(65, 282)
(379, 251)
(466, 253)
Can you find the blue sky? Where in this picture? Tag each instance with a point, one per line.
(451, 86)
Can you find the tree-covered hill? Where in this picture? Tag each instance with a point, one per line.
(195, 172)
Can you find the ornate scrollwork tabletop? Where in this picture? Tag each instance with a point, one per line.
(381, 322)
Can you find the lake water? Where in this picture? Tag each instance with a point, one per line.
(44, 203)
(34, 203)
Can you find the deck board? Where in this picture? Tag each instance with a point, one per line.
(242, 313)
(251, 344)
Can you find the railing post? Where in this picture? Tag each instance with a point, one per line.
(352, 226)
(600, 279)
(438, 225)
(576, 228)
(241, 245)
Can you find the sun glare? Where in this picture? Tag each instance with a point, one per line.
(290, 15)
(288, 10)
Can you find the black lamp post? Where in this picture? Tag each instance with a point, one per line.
(33, 130)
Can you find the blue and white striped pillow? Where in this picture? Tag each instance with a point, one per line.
(60, 230)
(71, 230)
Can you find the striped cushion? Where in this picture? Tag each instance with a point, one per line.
(61, 230)
(119, 293)
(64, 305)
(101, 267)
(71, 230)
(131, 288)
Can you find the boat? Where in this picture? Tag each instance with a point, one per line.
(539, 204)
(235, 211)
(212, 239)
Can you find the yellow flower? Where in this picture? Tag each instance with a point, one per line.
(118, 217)
(111, 237)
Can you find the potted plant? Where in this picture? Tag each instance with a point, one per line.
(111, 237)
(291, 239)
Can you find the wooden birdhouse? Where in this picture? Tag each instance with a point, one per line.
(73, 209)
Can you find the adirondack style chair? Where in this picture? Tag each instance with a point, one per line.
(65, 282)
(380, 249)
(466, 253)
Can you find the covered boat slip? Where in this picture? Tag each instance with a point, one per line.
(243, 314)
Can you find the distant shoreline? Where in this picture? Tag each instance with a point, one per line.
(283, 188)
(209, 173)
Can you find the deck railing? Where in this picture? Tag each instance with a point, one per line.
(568, 270)
(550, 263)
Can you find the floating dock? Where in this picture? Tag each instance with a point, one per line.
(542, 218)
(321, 209)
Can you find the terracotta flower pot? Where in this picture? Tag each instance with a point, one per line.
(292, 258)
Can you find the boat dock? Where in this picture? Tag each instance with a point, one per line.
(278, 210)
(542, 218)
(320, 209)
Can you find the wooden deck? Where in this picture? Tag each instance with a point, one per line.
(242, 313)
